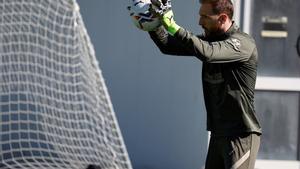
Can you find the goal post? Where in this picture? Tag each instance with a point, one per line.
(56, 112)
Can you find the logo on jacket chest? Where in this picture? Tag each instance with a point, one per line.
(235, 43)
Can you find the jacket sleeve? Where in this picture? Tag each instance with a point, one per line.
(235, 48)
(167, 43)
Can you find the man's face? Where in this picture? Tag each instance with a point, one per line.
(208, 20)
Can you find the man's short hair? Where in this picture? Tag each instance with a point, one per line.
(221, 6)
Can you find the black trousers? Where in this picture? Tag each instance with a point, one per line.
(234, 152)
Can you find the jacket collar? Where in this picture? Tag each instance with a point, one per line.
(233, 28)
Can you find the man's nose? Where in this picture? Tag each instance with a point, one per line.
(200, 22)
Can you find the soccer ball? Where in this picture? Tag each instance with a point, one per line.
(142, 17)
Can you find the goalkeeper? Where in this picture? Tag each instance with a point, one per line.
(229, 59)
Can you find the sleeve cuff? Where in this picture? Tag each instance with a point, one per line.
(173, 29)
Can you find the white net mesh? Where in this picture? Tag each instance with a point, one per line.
(55, 109)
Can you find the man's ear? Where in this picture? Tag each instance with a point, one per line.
(222, 18)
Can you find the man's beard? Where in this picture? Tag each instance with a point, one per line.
(210, 33)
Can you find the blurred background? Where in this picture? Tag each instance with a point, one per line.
(158, 98)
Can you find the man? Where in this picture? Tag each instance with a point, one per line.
(229, 59)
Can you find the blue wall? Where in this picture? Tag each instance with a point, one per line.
(157, 98)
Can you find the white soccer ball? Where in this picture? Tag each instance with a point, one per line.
(142, 17)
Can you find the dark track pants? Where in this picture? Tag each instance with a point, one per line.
(234, 152)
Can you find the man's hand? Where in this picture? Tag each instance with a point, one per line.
(162, 8)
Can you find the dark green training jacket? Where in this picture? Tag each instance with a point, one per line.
(228, 76)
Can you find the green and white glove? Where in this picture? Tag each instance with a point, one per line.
(162, 8)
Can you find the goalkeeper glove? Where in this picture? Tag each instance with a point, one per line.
(162, 8)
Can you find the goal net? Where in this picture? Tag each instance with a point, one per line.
(55, 109)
